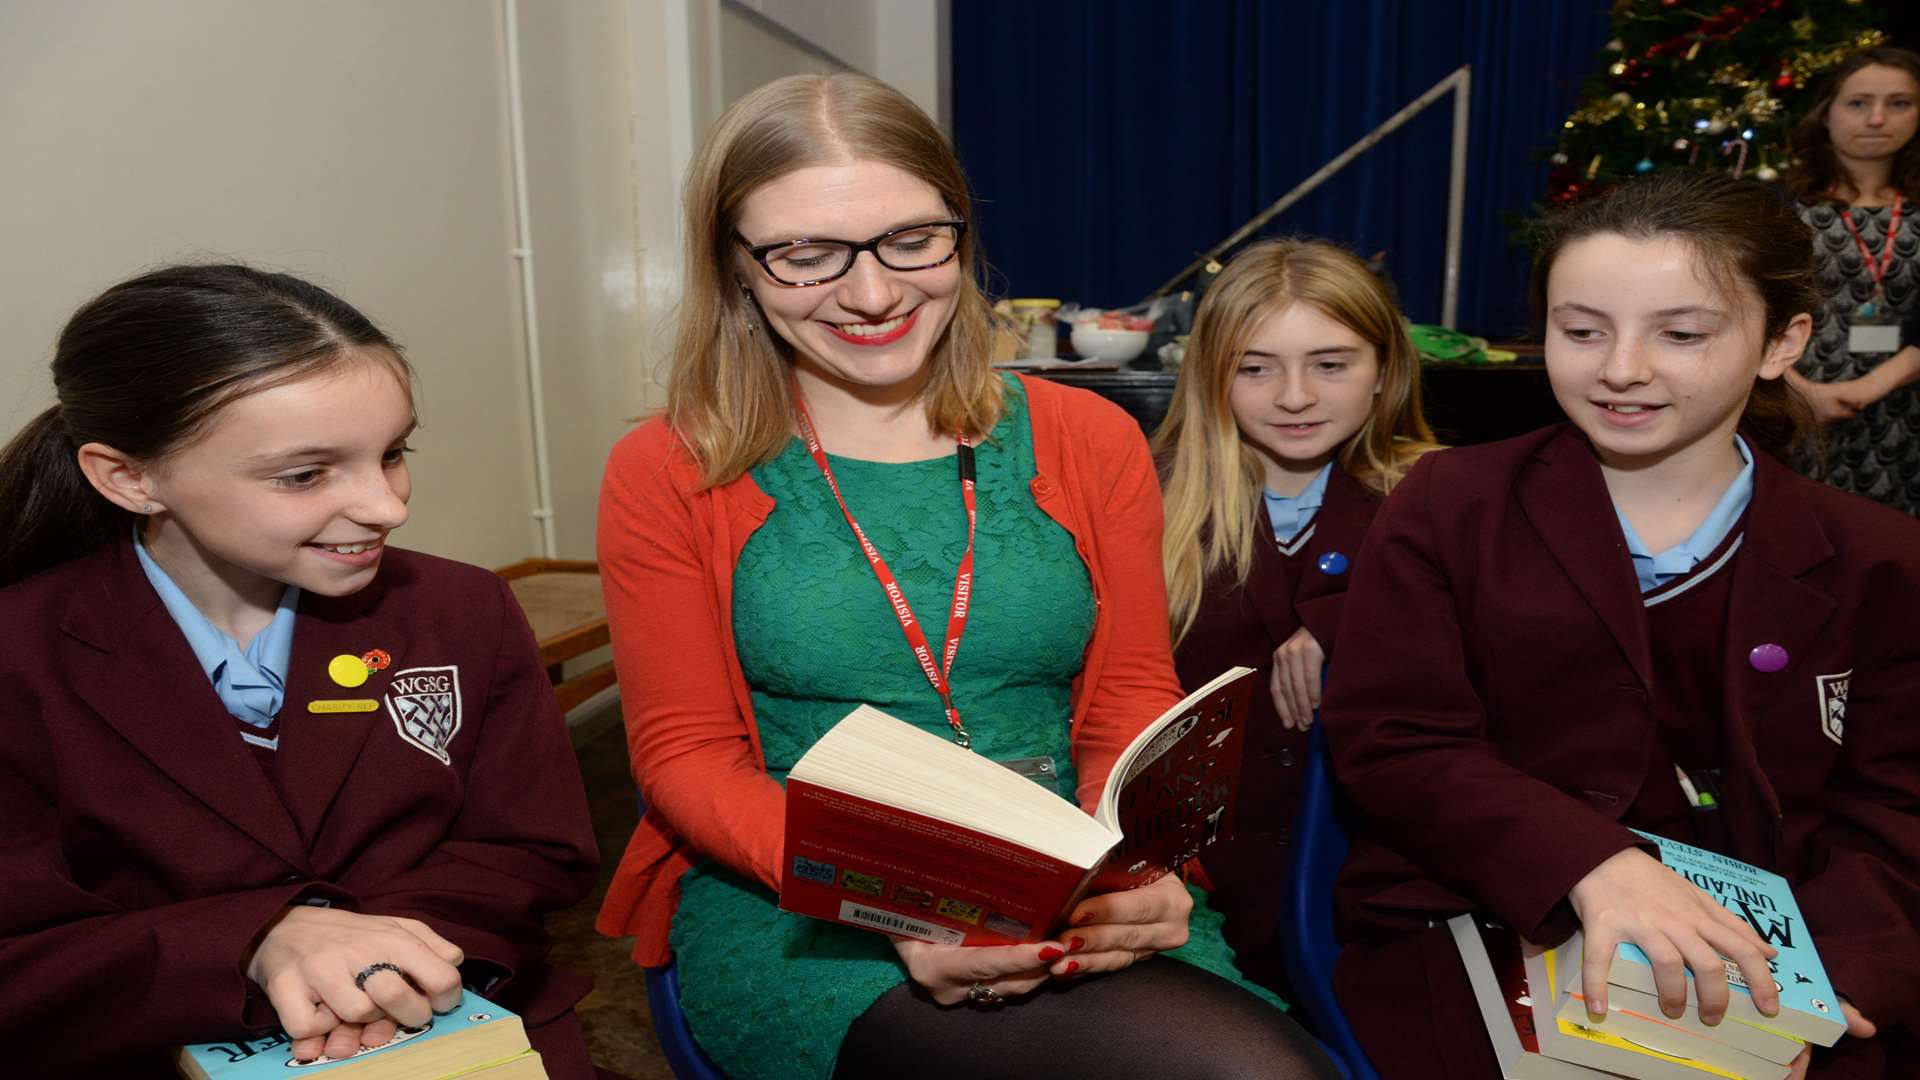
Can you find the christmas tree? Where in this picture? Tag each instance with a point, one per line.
(1692, 86)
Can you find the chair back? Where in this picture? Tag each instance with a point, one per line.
(1317, 848)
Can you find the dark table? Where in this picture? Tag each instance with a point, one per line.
(1465, 403)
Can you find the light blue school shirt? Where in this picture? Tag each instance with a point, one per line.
(1655, 570)
(1290, 515)
(251, 682)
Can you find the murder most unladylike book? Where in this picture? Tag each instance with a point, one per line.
(896, 829)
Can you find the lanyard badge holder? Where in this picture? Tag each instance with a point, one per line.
(1873, 331)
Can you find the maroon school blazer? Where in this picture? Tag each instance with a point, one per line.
(1243, 625)
(1491, 714)
(142, 848)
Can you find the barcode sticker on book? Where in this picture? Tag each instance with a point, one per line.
(861, 915)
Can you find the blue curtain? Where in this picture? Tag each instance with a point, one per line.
(1112, 141)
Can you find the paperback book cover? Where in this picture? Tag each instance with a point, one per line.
(477, 1040)
(1809, 1009)
(896, 829)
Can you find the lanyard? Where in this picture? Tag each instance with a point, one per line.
(1878, 267)
(937, 674)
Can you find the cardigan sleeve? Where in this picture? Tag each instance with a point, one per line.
(1121, 495)
(689, 742)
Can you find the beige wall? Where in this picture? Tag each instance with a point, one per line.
(903, 42)
(358, 143)
(367, 144)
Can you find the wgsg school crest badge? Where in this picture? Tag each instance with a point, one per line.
(1832, 692)
(425, 705)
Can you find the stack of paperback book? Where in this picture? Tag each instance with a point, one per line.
(1535, 1010)
(477, 1040)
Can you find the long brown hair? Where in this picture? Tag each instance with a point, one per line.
(1212, 479)
(1742, 232)
(727, 396)
(1817, 170)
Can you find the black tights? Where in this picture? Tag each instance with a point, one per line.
(1160, 1018)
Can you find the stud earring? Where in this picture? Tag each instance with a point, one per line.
(147, 509)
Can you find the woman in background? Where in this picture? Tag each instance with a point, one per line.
(1857, 177)
(1297, 409)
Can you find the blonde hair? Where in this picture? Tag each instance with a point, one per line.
(1212, 478)
(728, 395)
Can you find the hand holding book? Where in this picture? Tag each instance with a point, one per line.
(1112, 930)
(1631, 897)
(306, 962)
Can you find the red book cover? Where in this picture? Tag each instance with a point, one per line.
(868, 864)
(855, 855)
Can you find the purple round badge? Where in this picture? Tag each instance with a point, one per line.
(1768, 658)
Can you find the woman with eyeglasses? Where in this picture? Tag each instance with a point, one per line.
(830, 383)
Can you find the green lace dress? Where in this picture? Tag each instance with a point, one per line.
(772, 994)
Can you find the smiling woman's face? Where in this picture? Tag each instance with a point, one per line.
(872, 327)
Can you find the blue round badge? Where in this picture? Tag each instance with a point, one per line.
(1333, 563)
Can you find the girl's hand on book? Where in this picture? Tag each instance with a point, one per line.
(343, 1041)
(1112, 930)
(947, 971)
(1632, 897)
(1297, 665)
(307, 960)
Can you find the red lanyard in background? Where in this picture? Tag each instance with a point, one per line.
(1877, 267)
(937, 674)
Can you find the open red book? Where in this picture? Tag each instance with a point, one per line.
(896, 829)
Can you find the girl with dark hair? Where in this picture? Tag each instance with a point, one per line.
(1547, 629)
(1858, 171)
(257, 768)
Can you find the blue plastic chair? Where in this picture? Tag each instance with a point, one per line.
(684, 1056)
(1317, 850)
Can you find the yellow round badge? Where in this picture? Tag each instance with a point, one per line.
(348, 671)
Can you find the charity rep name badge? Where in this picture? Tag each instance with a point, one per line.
(1873, 339)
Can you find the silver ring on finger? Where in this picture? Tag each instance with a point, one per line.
(982, 994)
(360, 977)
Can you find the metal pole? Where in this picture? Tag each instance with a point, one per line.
(1306, 187)
(1456, 197)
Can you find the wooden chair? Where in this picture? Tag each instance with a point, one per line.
(561, 598)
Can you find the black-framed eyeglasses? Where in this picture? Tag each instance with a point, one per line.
(816, 262)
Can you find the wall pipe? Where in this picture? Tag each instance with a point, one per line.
(522, 253)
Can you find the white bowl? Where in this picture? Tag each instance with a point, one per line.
(1094, 343)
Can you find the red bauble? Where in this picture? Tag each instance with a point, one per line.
(1784, 82)
(1669, 3)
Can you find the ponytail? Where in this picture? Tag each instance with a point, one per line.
(49, 512)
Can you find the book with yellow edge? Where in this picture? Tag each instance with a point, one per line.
(1587, 1045)
(477, 1040)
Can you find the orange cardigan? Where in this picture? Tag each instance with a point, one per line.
(667, 555)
